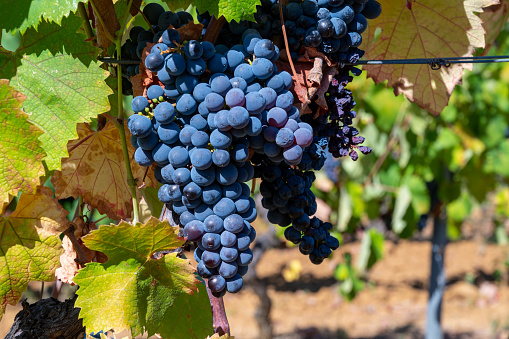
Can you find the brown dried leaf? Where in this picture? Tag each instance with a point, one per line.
(315, 74)
(69, 267)
(95, 170)
(106, 11)
(311, 53)
(306, 85)
(190, 31)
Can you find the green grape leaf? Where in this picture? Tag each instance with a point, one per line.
(150, 205)
(23, 14)
(67, 93)
(424, 29)
(22, 153)
(190, 317)
(29, 244)
(132, 290)
(231, 9)
(57, 39)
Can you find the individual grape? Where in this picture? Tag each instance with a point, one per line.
(192, 191)
(228, 254)
(217, 63)
(139, 126)
(163, 194)
(211, 194)
(226, 175)
(255, 102)
(199, 122)
(201, 158)
(234, 58)
(323, 13)
(372, 10)
(214, 102)
(203, 270)
(149, 142)
(313, 38)
(234, 223)
(292, 235)
(211, 259)
(277, 117)
(168, 18)
(152, 12)
(180, 176)
(238, 27)
(264, 49)
(269, 94)
(254, 127)
(358, 24)
(235, 97)
(200, 138)
(228, 269)
(235, 283)
(228, 239)
(303, 137)
(232, 191)
(245, 257)
(242, 204)
(190, 204)
(220, 84)
(211, 241)
(134, 32)
(185, 83)
(238, 82)
(179, 157)
(170, 37)
(271, 149)
(353, 39)
(168, 133)
(193, 49)
(244, 71)
(194, 230)
(224, 207)
(250, 42)
(216, 283)
(262, 68)
(196, 66)
(325, 28)
(221, 158)
(175, 64)
(208, 50)
(294, 11)
(220, 140)
(154, 62)
(175, 193)
(186, 133)
(254, 87)
(335, 3)
(186, 217)
(171, 92)
(243, 241)
(285, 137)
(213, 224)
(293, 154)
(164, 113)
(160, 154)
(200, 91)
(238, 117)
(285, 100)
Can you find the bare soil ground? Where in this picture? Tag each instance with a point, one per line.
(393, 305)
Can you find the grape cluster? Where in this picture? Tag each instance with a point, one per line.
(200, 126)
(289, 200)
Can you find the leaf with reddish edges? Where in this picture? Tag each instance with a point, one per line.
(430, 29)
(29, 244)
(96, 170)
(132, 290)
(20, 159)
